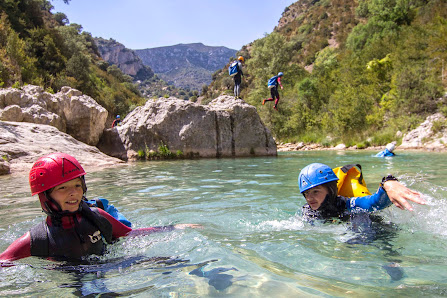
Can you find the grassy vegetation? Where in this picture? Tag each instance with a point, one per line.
(162, 153)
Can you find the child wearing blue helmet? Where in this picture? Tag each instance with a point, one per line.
(318, 184)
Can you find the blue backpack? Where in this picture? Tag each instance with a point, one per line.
(102, 203)
(272, 82)
(233, 69)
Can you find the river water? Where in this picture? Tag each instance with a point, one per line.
(253, 241)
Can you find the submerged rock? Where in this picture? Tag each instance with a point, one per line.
(226, 127)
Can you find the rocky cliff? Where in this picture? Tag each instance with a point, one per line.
(34, 123)
(126, 59)
(227, 127)
(186, 65)
(68, 110)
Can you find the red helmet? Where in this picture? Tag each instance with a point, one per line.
(52, 170)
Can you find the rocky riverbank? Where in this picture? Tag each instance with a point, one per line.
(34, 123)
(431, 135)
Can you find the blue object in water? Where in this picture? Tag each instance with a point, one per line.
(110, 209)
(385, 153)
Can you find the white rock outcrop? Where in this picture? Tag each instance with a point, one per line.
(425, 137)
(68, 110)
(226, 127)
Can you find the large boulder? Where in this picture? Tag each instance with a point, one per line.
(85, 118)
(21, 144)
(430, 135)
(227, 127)
(68, 110)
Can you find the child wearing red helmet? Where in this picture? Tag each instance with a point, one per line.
(71, 229)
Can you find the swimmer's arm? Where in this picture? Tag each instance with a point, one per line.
(19, 249)
(399, 195)
(374, 202)
(121, 230)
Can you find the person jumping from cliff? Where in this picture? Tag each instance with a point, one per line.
(235, 70)
(272, 84)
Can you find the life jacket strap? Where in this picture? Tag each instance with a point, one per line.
(346, 168)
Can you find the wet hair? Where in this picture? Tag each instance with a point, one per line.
(332, 206)
(332, 189)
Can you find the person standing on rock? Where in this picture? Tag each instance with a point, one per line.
(116, 121)
(272, 84)
(235, 70)
(72, 229)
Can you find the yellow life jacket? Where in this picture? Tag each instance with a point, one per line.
(350, 181)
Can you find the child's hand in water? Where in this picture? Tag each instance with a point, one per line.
(184, 226)
(400, 195)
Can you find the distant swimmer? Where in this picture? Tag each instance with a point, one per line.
(388, 151)
(272, 84)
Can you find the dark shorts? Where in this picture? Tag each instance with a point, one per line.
(274, 92)
(237, 79)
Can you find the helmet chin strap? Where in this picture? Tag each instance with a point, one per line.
(57, 213)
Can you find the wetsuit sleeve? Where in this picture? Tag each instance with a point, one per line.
(374, 202)
(120, 229)
(21, 248)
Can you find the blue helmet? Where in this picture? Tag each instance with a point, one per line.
(280, 74)
(117, 116)
(315, 174)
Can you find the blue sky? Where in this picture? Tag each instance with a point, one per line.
(140, 24)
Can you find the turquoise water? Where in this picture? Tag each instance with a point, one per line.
(253, 241)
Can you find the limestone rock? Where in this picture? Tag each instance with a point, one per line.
(227, 127)
(23, 143)
(69, 111)
(425, 137)
(4, 167)
(85, 118)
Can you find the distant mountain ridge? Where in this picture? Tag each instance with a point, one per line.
(148, 84)
(126, 59)
(186, 65)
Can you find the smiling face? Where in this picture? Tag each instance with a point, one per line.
(68, 195)
(315, 196)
